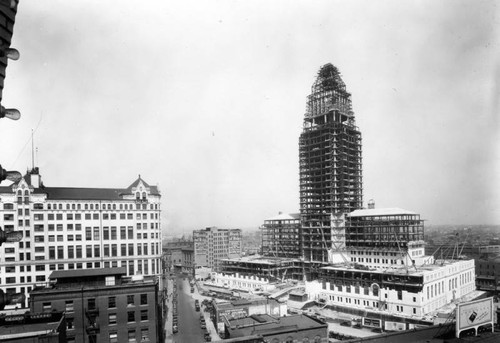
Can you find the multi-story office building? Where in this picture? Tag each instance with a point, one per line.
(102, 305)
(280, 236)
(77, 228)
(385, 237)
(213, 244)
(330, 168)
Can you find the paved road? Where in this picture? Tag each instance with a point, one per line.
(189, 320)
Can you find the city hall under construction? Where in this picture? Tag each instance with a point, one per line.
(348, 256)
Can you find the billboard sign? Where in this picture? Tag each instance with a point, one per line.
(473, 314)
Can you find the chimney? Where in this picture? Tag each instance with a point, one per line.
(35, 177)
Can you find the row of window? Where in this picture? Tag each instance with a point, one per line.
(50, 206)
(141, 265)
(113, 336)
(78, 216)
(108, 250)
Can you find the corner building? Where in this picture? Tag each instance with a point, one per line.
(77, 228)
(330, 168)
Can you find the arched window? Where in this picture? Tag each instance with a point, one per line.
(317, 339)
(143, 195)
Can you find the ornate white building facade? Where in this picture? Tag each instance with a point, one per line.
(77, 228)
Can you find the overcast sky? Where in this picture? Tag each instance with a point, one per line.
(206, 99)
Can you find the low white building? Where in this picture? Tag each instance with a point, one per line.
(404, 291)
(249, 283)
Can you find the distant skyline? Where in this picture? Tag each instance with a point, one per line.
(206, 99)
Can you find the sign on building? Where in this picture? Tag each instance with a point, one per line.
(474, 314)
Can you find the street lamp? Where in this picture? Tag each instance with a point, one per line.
(10, 113)
(10, 53)
(10, 237)
(12, 175)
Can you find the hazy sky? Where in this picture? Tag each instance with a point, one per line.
(206, 100)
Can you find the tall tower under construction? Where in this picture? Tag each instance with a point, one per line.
(330, 170)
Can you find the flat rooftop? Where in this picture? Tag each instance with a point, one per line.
(402, 270)
(373, 212)
(267, 325)
(257, 259)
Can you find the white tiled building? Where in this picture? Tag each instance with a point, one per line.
(77, 228)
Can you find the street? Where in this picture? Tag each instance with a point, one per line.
(188, 319)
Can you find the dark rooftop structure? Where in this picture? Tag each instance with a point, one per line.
(33, 327)
(77, 193)
(297, 327)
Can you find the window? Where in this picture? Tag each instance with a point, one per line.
(123, 249)
(131, 316)
(130, 232)
(131, 336)
(105, 233)
(144, 334)
(71, 252)
(111, 302)
(59, 216)
(130, 300)
(91, 304)
(40, 278)
(113, 232)
(144, 299)
(144, 315)
(112, 318)
(38, 216)
(131, 250)
(69, 306)
(97, 252)
(40, 267)
(113, 337)
(123, 232)
(46, 307)
(60, 252)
